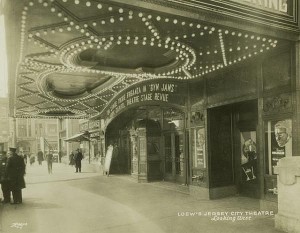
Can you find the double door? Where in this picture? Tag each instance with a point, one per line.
(233, 154)
(174, 157)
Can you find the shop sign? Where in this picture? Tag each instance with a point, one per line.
(160, 91)
(279, 6)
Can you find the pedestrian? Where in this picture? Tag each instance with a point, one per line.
(71, 159)
(40, 157)
(3, 179)
(32, 159)
(78, 157)
(49, 158)
(15, 172)
(60, 154)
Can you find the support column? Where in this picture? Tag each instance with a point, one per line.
(142, 156)
(288, 183)
(296, 98)
(13, 133)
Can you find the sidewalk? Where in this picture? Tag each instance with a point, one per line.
(89, 202)
(60, 172)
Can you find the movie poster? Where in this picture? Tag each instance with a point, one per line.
(278, 142)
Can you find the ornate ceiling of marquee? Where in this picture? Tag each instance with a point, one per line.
(76, 55)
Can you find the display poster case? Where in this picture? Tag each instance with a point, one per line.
(198, 147)
(278, 139)
(248, 156)
(278, 144)
(198, 155)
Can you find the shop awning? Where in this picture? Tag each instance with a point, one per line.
(79, 137)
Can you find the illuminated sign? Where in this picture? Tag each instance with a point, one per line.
(166, 92)
(280, 6)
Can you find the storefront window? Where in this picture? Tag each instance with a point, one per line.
(278, 138)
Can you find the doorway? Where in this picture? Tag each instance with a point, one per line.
(174, 157)
(246, 156)
(232, 150)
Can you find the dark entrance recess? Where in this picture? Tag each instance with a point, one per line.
(144, 155)
(232, 133)
(117, 134)
(149, 144)
(153, 148)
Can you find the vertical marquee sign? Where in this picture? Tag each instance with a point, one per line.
(158, 91)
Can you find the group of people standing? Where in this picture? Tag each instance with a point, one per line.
(75, 159)
(48, 157)
(12, 171)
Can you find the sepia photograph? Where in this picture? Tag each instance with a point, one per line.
(149, 116)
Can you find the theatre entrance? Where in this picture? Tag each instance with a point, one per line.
(150, 142)
(232, 146)
(174, 157)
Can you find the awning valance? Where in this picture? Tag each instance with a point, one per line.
(79, 137)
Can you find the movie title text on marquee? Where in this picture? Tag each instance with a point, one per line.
(162, 92)
(279, 6)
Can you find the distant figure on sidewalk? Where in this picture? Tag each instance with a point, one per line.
(71, 159)
(49, 158)
(40, 157)
(3, 179)
(78, 157)
(32, 159)
(15, 173)
(60, 155)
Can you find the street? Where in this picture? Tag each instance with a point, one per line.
(89, 202)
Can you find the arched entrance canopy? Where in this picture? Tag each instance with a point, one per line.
(71, 58)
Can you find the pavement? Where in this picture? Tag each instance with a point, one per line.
(89, 202)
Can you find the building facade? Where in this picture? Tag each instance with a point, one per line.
(201, 93)
(66, 129)
(4, 125)
(33, 135)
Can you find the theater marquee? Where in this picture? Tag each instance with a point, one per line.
(148, 92)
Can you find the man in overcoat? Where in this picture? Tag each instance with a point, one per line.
(15, 173)
(40, 157)
(3, 179)
(78, 157)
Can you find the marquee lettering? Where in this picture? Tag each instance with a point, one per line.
(148, 92)
(275, 5)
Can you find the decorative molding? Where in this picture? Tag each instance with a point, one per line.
(278, 104)
(197, 118)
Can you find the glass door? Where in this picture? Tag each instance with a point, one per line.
(248, 164)
(168, 157)
(179, 158)
(174, 157)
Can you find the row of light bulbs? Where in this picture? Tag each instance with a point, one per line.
(144, 18)
(184, 52)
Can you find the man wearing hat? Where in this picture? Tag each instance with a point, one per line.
(78, 157)
(3, 178)
(15, 173)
